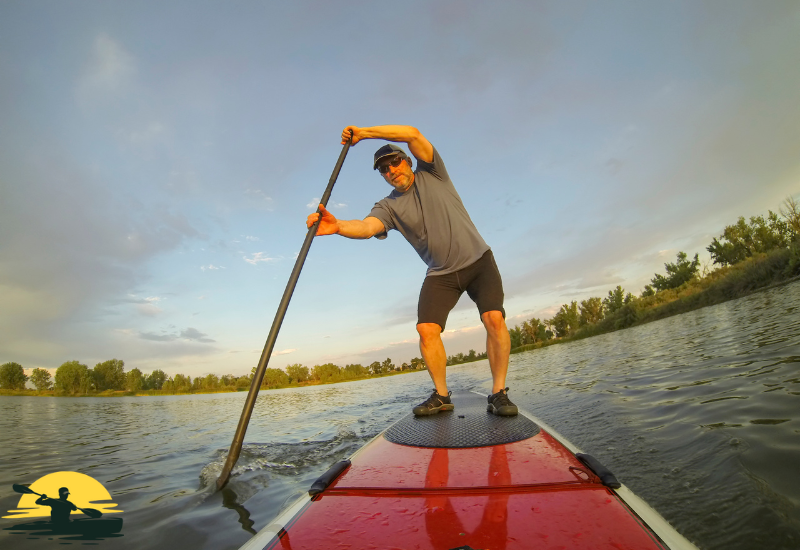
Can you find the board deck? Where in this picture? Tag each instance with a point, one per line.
(466, 479)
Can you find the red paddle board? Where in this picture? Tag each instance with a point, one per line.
(466, 479)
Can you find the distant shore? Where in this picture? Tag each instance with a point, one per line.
(153, 393)
(756, 274)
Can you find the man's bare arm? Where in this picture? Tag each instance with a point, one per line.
(419, 146)
(352, 229)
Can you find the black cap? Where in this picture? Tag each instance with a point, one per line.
(388, 150)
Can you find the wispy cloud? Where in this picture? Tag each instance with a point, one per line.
(259, 198)
(149, 310)
(283, 352)
(109, 68)
(259, 257)
(211, 267)
(331, 204)
(189, 333)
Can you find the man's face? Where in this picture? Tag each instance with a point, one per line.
(400, 177)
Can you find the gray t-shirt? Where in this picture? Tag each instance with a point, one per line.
(432, 218)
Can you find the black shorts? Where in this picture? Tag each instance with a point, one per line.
(440, 293)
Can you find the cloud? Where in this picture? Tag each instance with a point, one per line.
(148, 310)
(109, 68)
(258, 257)
(211, 267)
(259, 198)
(332, 205)
(189, 333)
(194, 334)
(283, 352)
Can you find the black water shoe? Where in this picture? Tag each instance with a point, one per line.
(501, 405)
(434, 404)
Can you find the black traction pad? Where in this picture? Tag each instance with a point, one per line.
(469, 425)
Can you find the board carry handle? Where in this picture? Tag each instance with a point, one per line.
(258, 376)
(605, 475)
(328, 477)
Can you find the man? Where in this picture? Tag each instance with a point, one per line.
(425, 207)
(60, 508)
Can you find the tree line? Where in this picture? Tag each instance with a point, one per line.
(75, 378)
(748, 254)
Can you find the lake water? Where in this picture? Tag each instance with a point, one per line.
(699, 414)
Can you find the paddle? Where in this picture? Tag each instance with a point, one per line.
(91, 512)
(247, 411)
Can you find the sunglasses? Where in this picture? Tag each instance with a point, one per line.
(394, 163)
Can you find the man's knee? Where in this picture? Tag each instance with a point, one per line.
(429, 331)
(494, 321)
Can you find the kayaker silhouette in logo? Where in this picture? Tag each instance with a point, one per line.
(92, 525)
(61, 507)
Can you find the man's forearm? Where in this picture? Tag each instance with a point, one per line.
(391, 132)
(354, 229)
(419, 146)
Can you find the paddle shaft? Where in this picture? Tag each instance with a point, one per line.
(91, 512)
(255, 385)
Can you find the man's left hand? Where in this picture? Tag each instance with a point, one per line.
(355, 130)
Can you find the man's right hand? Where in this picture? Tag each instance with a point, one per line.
(329, 224)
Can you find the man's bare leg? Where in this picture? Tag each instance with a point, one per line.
(498, 347)
(432, 349)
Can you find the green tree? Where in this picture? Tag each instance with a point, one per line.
(326, 373)
(790, 210)
(387, 366)
(417, 363)
(156, 379)
(182, 382)
(567, 320)
(109, 375)
(614, 300)
(243, 382)
(375, 368)
(42, 379)
(298, 373)
(742, 240)
(227, 380)
(134, 380)
(515, 335)
(678, 273)
(591, 311)
(529, 333)
(355, 371)
(12, 376)
(274, 378)
(74, 377)
(210, 382)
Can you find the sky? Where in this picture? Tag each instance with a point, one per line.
(158, 160)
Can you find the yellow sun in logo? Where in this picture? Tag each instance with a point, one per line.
(85, 492)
